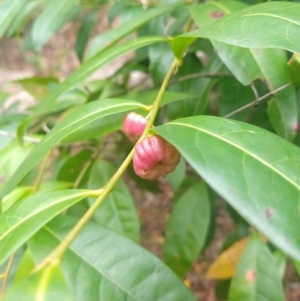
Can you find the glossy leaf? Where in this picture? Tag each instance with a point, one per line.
(22, 220)
(187, 229)
(118, 211)
(240, 162)
(111, 37)
(224, 267)
(49, 21)
(74, 121)
(45, 285)
(9, 9)
(102, 264)
(266, 25)
(257, 277)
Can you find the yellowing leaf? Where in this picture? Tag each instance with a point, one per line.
(225, 265)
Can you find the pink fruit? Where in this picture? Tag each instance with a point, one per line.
(154, 157)
(134, 125)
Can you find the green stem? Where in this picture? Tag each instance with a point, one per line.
(58, 253)
(39, 177)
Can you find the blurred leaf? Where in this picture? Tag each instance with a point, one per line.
(224, 267)
(102, 264)
(142, 183)
(118, 211)
(72, 165)
(109, 38)
(296, 265)
(294, 69)
(45, 285)
(49, 21)
(77, 119)
(11, 158)
(86, 27)
(38, 87)
(280, 260)
(265, 25)
(22, 220)
(187, 229)
(257, 276)
(87, 68)
(176, 177)
(16, 195)
(22, 17)
(239, 60)
(282, 109)
(239, 162)
(9, 9)
(26, 265)
(222, 289)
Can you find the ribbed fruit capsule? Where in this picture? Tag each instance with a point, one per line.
(134, 125)
(154, 157)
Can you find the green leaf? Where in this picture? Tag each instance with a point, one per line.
(49, 21)
(266, 25)
(239, 60)
(23, 17)
(187, 229)
(104, 265)
(282, 109)
(233, 95)
(11, 158)
(176, 177)
(26, 265)
(16, 195)
(240, 162)
(38, 87)
(72, 165)
(280, 260)
(22, 220)
(257, 277)
(87, 25)
(46, 285)
(118, 211)
(9, 9)
(111, 37)
(76, 120)
(91, 66)
(294, 69)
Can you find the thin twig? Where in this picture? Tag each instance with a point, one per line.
(41, 172)
(6, 273)
(256, 101)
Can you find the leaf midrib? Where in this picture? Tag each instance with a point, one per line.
(71, 248)
(276, 171)
(34, 213)
(271, 16)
